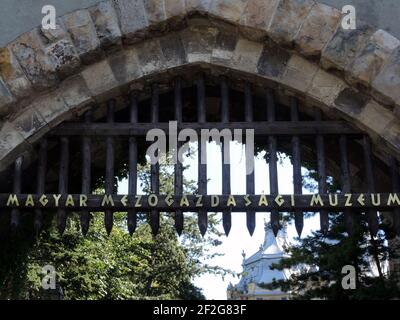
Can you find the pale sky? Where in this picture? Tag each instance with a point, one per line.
(239, 240)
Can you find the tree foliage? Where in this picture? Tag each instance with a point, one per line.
(318, 260)
(111, 267)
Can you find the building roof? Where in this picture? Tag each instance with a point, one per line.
(256, 268)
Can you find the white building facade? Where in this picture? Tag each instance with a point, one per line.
(256, 271)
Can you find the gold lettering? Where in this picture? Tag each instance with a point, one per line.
(247, 200)
(83, 200)
(263, 201)
(393, 197)
(231, 201)
(29, 201)
(279, 200)
(124, 200)
(316, 199)
(348, 200)
(331, 203)
(214, 201)
(70, 201)
(376, 202)
(361, 199)
(199, 202)
(152, 200)
(12, 200)
(138, 200)
(43, 200)
(169, 200)
(184, 202)
(107, 200)
(57, 198)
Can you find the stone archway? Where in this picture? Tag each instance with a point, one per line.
(113, 47)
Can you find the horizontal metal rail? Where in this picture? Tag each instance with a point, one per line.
(285, 128)
(211, 203)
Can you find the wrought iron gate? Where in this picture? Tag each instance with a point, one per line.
(270, 129)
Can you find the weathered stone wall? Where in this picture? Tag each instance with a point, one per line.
(296, 45)
(17, 17)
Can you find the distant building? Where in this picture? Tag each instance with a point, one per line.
(256, 271)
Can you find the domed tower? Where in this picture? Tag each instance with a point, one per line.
(257, 271)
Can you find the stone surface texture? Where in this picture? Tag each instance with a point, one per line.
(317, 30)
(83, 34)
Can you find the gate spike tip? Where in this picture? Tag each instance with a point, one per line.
(84, 229)
(203, 230)
(61, 221)
(299, 229)
(202, 222)
(61, 229)
(374, 231)
(251, 222)
(131, 222)
(349, 225)
(179, 221)
(37, 227)
(13, 229)
(251, 229)
(108, 221)
(131, 229)
(324, 229)
(275, 228)
(14, 223)
(179, 229)
(108, 230)
(350, 232)
(227, 230)
(373, 224)
(299, 223)
(227, 224)
(154, 230)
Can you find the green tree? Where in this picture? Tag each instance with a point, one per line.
(117, 266)
(319, 258)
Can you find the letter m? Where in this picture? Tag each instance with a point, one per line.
(12, 200)
(393, 198)
(316, 199)
(107, 200)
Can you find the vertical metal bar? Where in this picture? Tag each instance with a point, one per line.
(41, 183)
(17, 182)
(396, 188)
(296, 159)
(372, 214)
(86, 174)
(225, 149)
(345, 181)
(320, 143)
(273, 170)
(155, 168)
(178, 181)
(202, 154)
(178, 99)
(133, 159)
(63, 182)
(109, 183)
(250, 187)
